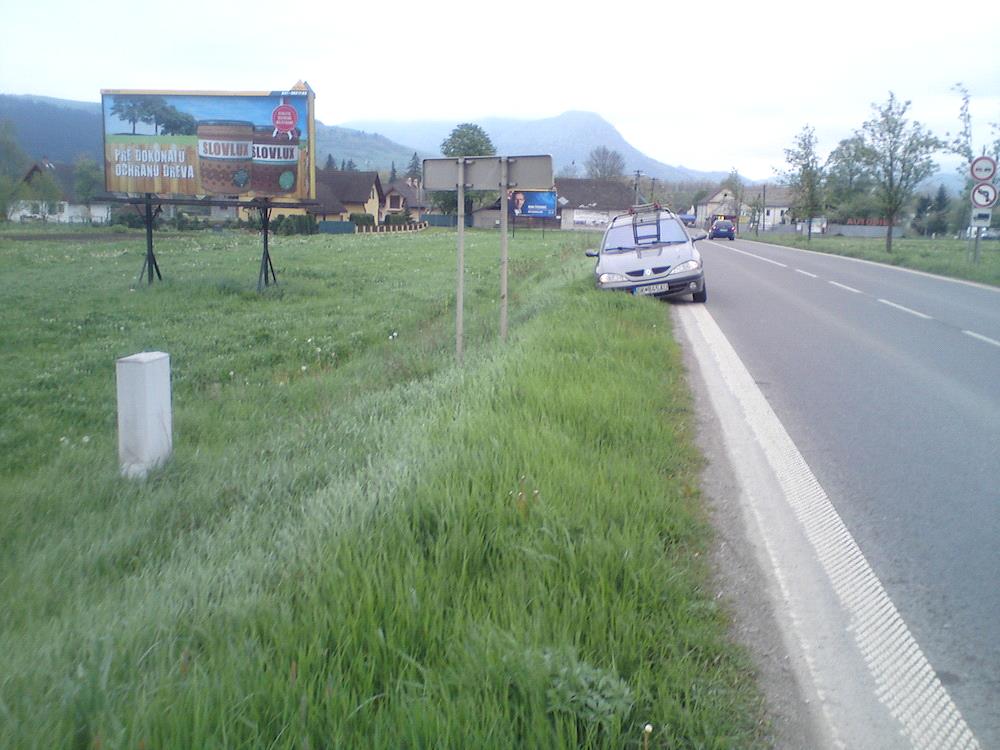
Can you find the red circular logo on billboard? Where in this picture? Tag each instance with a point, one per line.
(284, 117)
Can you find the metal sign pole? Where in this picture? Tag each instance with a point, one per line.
(503, 247)
(460, 293)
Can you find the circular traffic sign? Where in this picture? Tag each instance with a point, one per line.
(984, 195)
(983, 168)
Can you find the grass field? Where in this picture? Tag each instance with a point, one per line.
(946, 257)
(356, 543)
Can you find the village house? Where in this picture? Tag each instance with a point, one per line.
(342, 193)
(68, 209)
(775, 200)
(591, 204)
(405, 195)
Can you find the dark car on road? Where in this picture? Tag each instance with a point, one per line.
(648, 252)
(722, 228)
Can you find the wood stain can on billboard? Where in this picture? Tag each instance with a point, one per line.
(225, 156)
(275, 161)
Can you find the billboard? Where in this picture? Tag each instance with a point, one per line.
(210, 144)
(538, 203)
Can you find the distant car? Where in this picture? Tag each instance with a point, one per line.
(648, 252)
(722, 228)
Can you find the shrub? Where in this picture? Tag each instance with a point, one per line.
(362, 219)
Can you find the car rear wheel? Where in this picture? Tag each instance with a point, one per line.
(701, 296)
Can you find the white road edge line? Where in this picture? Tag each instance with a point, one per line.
(905, 309)
(806, 273)
(981, 337)
(905, 681)
(758, 257)
(845, 287)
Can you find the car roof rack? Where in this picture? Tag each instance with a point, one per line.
(646, 223)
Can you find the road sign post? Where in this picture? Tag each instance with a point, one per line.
(486, 173)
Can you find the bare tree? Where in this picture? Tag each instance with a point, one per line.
(605, 164)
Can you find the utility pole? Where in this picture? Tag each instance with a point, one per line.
(635, 199)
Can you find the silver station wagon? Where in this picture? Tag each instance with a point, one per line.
(648, 251)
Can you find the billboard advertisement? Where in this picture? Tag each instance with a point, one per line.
(537, 203)
(210, 144)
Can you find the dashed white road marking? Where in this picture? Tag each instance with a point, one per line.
(905, 309)
(759, 257)
(981, 337)
(806, 273)
(845, 287)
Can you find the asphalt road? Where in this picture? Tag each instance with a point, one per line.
(888, 382)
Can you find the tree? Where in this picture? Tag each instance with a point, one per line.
(568, 170)
(392, 173)
(937, 218)
(605, 164)
(415, 169)
(87, 179)
(468, 139)
(331, 163)
(13, 163)
(350, 166)
(129, 109)
(848, 181)
(805, 177)
(174, 122)
(961, 144)
(898, 153)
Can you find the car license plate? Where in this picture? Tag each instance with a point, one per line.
(651, 289)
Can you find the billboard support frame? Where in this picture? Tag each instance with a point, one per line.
(264, 206)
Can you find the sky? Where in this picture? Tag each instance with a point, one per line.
(711, 87)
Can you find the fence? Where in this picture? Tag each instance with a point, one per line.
(446, 220)
(348, 227)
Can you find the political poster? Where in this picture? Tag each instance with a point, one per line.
(536, 203)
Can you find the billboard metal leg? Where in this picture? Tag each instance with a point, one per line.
(267, 275)
(149, 264)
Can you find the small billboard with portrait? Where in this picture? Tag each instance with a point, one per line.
(210, 144)
(536, 203)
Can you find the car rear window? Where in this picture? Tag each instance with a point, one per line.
(622, 236)
(723, 224)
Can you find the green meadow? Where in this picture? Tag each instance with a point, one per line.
(943, 256)
(357, 542)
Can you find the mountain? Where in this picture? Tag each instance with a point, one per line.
(569, 137)
(58, 129)
(368, 151)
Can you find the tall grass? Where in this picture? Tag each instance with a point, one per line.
(942, 256)
(356, 543)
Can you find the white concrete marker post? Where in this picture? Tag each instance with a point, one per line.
(145, 421)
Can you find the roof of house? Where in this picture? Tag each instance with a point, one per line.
(600, 195)
(778, 196)
(328, 201)
(61, 173)
(411, 193)
(349, 187)
(65, 177)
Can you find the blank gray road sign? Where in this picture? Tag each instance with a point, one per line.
(483, 173)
